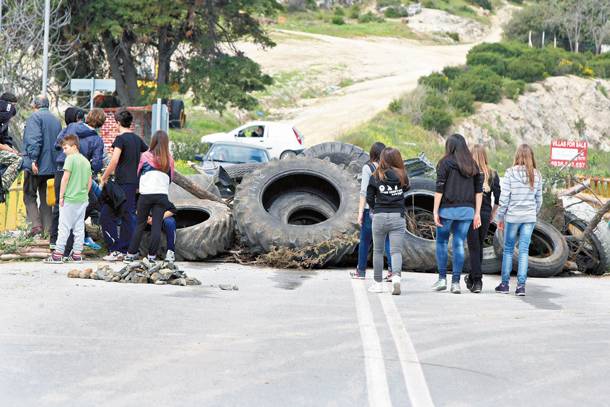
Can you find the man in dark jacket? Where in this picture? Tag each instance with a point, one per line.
(41, 130)
(10, 160)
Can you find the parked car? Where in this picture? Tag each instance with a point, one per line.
(228, 153)
(281, 140)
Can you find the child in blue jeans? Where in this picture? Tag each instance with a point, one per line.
(520, 202)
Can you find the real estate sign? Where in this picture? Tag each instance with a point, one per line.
(569, 153)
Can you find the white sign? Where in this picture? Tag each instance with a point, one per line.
(91, 85)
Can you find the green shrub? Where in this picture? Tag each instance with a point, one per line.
(601, 67)
(525, 69)
(486, 4)
(512, 89)
(495, 62)
(438, 120)
(436, 81)
(338, 20)
(395, 12)
(339, 11)
(462, 101)
(434, 100)
(484, 84)
(395, 106)
(453, 72)
(454, 36)
(185, 146)
(508, 49)
(370, 17)
(354, 12)
(388, 3)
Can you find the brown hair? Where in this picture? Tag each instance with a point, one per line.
(96, 118)
(71, 140)
(525, 157)
(391, 160)
(159, 146)
(480, 157)
(375, 151)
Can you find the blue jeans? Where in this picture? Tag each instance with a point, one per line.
(169, 227)
(115, 240)
(511, 230)
(459, 230)
(366, 237)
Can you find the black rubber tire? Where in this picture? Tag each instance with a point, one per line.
(255, 195)
(238, 171)
(595, 262)
(288, 154)
(345, 155)
(546, 266)
(204, 181)
(419, 253)
(289, 203)
(198, 240)
(177, 117)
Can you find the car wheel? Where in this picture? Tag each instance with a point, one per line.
(287, 154)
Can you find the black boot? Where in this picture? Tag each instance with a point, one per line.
(469, 282)
(477, 287)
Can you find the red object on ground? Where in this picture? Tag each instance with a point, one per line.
(568, 152)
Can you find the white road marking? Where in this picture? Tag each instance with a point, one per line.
(376, 379)
(419, 394)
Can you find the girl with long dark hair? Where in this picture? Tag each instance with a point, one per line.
(385, 197)
(156, 171)
(457, 204)
(364, 217)
(520, 202)
(476, 237)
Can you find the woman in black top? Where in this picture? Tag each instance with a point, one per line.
(385, 197)
(476, 237)
(457, 204)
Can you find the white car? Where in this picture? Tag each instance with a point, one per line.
(281, 140)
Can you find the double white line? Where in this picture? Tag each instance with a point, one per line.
(376, 379)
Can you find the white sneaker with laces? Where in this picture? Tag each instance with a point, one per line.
(377, 288)
(395, 285)
(170, 256)
(114, 256)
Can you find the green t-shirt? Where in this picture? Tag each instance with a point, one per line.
(77, 190)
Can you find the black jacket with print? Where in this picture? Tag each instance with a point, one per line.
(386, 196)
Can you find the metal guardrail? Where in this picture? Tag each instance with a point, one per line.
(599, 185)
(12, 212)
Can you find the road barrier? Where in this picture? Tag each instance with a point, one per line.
(600, 186)
(12, 212)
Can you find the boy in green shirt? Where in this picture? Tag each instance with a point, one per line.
(73, 201)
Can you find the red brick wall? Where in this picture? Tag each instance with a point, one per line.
(140, 125)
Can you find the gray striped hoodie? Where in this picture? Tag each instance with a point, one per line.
(518, 202)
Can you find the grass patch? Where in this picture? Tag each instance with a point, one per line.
(183, 168)
(321, 22)
(462, 8)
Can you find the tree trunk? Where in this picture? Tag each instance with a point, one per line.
(191, 187)
(164, 55)
(123, 70)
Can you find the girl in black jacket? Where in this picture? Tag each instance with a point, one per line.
(476, 237)
(457, 204)
(385, 197)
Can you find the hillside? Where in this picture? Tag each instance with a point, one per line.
(558, 107)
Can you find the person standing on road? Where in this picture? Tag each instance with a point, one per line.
(10, 159)
(73, 200)
(364, 217)
(520, 202)
(385, 197)
(127, 148)
(476, 237)
(41, 130)
(156, 171)
(457, 204)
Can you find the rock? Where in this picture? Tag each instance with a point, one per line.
(140, 279)
(116, 279)
(154, 277)
(86, 273)
(228, 287)
(74, 273)
(166, 274)
(160, 282)
(192, 281)
(178, 281)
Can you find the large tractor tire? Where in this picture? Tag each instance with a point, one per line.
(238, 171)
(592, 259)
(302, 208)
(548, 251)
(177, 115)
(345, 155)
(204, 229)
(419, 246)
(273, 185)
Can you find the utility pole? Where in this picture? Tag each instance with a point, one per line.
(45, 54)
(1, 17)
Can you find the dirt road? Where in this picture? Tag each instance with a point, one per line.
(382, 69)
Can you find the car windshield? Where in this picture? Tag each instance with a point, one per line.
(236, 154)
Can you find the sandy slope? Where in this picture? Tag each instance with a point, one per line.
(383, 69)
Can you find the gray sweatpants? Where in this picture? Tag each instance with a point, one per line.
(71, 218)
(387, 224)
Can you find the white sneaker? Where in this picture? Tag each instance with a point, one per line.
(395, 285)
(377, 288)
(170, 256)
(114, 256)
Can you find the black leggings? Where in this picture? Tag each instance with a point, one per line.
(476, 237)
(157, 204)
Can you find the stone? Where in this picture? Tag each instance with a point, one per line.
(178, 281)
(160, 282)
(192, 281)
(154, 277)
(74, 273)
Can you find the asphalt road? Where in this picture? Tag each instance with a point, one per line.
(298, 338)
